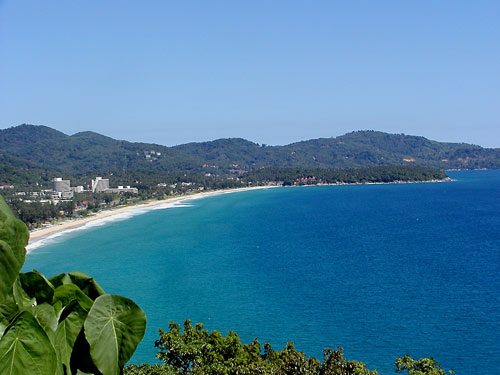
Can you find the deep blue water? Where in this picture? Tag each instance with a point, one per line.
(381, 270)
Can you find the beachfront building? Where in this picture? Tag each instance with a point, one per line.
(100, 185)
(59, 185)
(62, 188)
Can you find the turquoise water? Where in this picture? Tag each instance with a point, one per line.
(382, 270)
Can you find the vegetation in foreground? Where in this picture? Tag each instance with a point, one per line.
(194, 350)
(63, 325)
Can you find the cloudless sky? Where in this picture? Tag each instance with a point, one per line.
(273, 71)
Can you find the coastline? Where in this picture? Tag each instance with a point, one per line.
(38, 236)
(70, 225)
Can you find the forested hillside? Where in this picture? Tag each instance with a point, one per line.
(37, 153)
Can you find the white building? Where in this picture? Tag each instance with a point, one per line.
(60, 186)
(100, 185)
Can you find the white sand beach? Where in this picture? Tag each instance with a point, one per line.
(38, 235)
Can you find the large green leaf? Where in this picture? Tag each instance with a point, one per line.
(9, 268)
(26, 349)
(70, 325)
(37, 286)
(70, 292)
(3, 327)
(21, 298)
(11, 307)
(8, 309)
(13, 231)
(46, 317)
(86, 283)
(114, 327)
(60, 279)
(13, 240)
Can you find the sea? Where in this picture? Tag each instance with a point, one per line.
(379, 270)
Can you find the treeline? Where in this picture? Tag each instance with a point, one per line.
(382, 174)
(34, 213)
(20, 176)
(194, 350)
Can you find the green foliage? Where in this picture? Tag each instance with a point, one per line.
(380, 174)
(34, 212)
(67, 331)
(25, 347)
(145, 369)
(13, 240)
(114, 327)
(423, 366)
(62, 325)
(195, 350)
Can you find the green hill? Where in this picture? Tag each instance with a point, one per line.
(39, 152)
(356, 149)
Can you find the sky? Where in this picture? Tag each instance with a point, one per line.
(273, 72)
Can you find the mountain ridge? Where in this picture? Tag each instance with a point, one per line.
(39, 147)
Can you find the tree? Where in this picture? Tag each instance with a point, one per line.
(195, 350)
(423, 366)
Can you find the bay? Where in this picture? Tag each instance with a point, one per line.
(381, 270)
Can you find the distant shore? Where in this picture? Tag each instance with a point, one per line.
(67, 225)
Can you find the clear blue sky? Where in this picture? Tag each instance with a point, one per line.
(270, 71)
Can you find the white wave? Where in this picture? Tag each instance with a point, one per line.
(170, 205)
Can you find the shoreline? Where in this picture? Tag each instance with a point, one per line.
(37, 236)
(70, 225)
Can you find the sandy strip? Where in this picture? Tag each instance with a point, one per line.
(63, 226)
